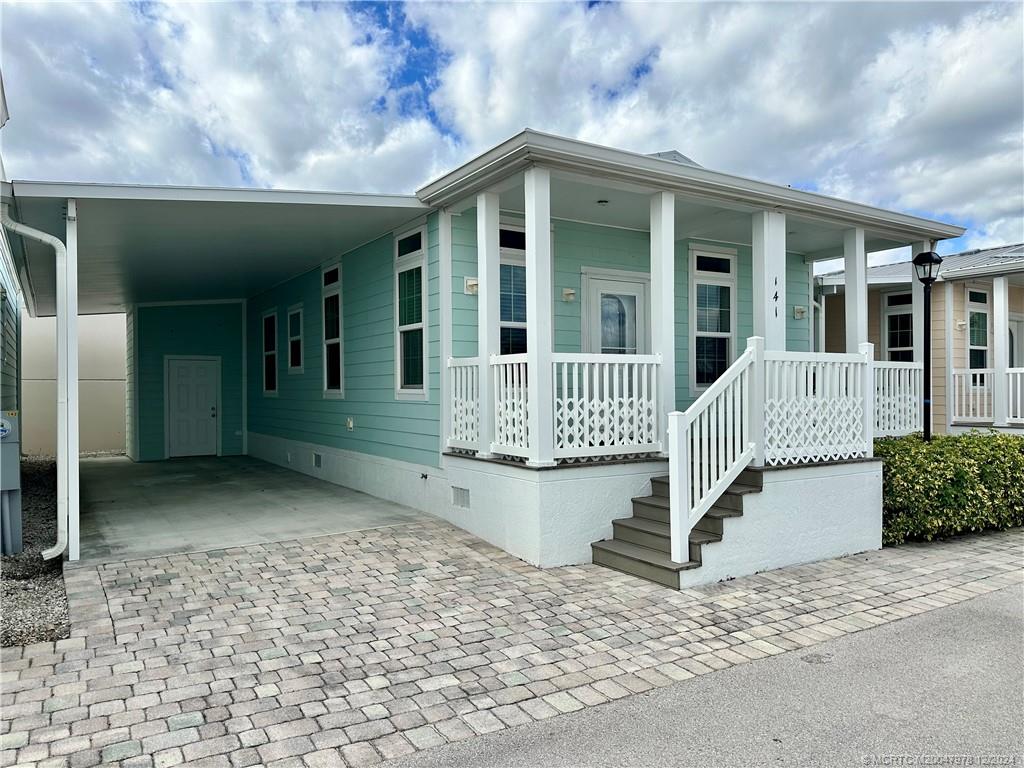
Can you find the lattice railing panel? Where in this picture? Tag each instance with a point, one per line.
(898, 398)
(464, 414)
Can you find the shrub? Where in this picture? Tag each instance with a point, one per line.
(954, 484)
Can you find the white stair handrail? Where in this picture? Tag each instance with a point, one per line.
(712, 442)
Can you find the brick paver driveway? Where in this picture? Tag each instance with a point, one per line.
(349, 649)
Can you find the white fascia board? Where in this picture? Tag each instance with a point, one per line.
(986, 270)
(531, 147)
(841, 280)
(89, 191)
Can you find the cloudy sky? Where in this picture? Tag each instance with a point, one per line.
(917, 107)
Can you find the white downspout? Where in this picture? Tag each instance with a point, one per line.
(60, 254)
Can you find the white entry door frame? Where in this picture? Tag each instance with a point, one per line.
(200, 374)
(635, 287)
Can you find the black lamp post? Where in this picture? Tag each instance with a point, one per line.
(926, 265)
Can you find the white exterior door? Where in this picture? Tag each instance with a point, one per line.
(616, 318)
(192, 417)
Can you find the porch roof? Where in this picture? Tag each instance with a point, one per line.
(158, 243)
(531, 147)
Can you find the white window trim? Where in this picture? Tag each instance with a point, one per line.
(711, 278)
(326, 291)
(266, 353)
(516, 258)
(972, 307)
(416, 259)
(295, 309)
(887, 311)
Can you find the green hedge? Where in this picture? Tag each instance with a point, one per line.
(954, 484)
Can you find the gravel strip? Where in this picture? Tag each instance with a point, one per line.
(34, 603)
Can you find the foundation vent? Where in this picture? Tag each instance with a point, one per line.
(318, 461)
(460, 497)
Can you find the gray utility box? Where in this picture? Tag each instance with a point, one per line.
(10, 482)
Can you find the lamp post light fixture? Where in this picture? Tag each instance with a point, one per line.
(926, 265)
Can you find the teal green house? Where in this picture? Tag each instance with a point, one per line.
(523, 347)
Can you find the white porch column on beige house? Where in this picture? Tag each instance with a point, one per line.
(540, 406)
(917, 295)
(856, 264)
(488, 256)
(663, 283)
(1000, 349)
(71, 375)
(769, 268)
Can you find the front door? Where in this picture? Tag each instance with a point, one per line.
(192, 418)
(617, 316)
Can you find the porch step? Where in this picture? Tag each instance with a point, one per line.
(641, 544)
(639, 561)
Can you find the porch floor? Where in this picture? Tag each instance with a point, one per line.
(141, 509)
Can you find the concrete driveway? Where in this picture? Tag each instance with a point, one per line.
(347, 649)
(140, 509)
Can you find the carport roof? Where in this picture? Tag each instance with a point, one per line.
(157, 243)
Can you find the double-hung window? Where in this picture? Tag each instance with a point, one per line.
(295, 339)
(899, 327)
(270, 353)
(410, 305)
(333, 346)
(712, 314)
(977, 329)
(512, 291)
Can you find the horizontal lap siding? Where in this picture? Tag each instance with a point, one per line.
(195, 329)
(383, 426)
(10, 334)
(798, 294)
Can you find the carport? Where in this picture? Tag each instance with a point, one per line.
(101, 248)
(140, 509)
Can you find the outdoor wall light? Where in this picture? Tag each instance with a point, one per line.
(927, 264)
(471, 286)
(568, 295)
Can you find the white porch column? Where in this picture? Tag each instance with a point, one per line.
(663, 309)
(71, 326)
(856, 264)
(540, 408)
(769, 263)
(1000, 349)
(917, 294)
(488, 316)
(444, 241)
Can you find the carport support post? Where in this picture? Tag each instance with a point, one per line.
(488, 316)
(71, 341)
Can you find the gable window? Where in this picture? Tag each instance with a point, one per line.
(295, 340)
(333, 351)
(712, 314)
(270, 353)
(410, 329)
(977, 329)
(899, 327)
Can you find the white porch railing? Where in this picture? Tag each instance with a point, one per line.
(464, 414)
(815, 407)
(511, 436)
(898, 398)
(972, 395)
(1015, 393)
(709, 445)
(605, 405)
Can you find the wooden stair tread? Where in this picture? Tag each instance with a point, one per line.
(643, 555)
(663, 530)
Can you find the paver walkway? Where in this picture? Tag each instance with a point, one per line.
(352, 648)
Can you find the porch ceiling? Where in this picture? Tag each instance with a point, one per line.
(147, 244)
(576, 198)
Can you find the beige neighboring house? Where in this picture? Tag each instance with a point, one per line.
(977, 347)
(101, 384)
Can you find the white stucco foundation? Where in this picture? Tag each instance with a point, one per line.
(398, 481)
(548, 517)
(803, 514)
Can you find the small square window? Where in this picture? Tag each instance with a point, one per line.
(900, 300)
(977, 297)
(512, 238)
(718, 264)
(331, 276)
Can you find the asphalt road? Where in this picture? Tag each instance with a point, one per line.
(949, 682)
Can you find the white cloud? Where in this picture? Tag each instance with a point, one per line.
(914, 106)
